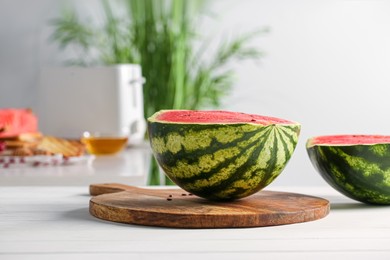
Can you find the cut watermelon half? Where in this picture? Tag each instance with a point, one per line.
(221, 155)
(358, 166)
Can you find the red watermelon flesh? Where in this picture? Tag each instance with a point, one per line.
(216, 116)
(349, 140)
(14, 122)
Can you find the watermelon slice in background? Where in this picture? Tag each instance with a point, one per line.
(358, 166)
(14, 122)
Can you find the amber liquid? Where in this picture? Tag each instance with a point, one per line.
(104, 145)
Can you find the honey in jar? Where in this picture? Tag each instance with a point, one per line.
(104, 145)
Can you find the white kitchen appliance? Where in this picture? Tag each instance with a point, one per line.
(108, 100)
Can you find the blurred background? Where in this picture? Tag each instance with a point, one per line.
(323, 63)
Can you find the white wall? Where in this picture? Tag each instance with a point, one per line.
(326, 66)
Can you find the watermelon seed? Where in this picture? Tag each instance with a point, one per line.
(183, 194)
(169, 199)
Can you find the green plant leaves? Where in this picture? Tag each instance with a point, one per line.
(161, 37)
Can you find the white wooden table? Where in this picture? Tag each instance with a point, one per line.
(53, 222)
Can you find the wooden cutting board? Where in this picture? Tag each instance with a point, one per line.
(179, 209)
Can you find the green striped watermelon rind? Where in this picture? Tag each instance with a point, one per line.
(360, 172)
(222, 161)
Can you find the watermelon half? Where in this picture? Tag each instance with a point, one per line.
(358, 166)
(221, 155)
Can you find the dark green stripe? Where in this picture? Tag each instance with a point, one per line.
(287, 153)
(170, 160)
(353, 174)
(269, 172)
(329, 157)
(238, 174)
(366, 152)
(225, 163)
(287, 135)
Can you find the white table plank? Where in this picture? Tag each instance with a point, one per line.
(43, 222)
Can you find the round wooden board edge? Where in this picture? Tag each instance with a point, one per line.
(183, 221)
